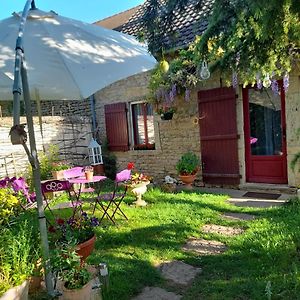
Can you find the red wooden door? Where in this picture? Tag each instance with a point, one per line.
(218, 135)
(265, 135)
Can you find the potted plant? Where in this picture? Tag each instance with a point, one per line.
(138, 185)
(166, 112)
(78, 229)
(75, 279)
(187, 168)
(58, 168)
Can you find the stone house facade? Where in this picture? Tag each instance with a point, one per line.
(242, 136)
(183, 133)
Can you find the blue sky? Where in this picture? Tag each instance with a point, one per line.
(84, 10)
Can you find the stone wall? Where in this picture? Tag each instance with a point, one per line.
(62, 108)
(172, 138)
(71, 135)
(293, 125)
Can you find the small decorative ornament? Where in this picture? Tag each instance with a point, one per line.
(267, 81)
(95, 153)
(286, 81)
(164, 66)
(204, 72)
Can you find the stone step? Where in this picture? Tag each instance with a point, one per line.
(268, 188)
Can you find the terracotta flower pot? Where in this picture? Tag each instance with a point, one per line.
(58, 174)
(188, 180)
(77, 294)
(86, 248)
(89, 175)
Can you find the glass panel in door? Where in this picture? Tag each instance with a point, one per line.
(265, 122)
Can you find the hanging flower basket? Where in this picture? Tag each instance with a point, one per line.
(167, 116)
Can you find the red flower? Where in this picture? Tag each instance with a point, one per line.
(130, 166)
(60, 221)
(51, 229)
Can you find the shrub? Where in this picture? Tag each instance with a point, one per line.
(9, 205)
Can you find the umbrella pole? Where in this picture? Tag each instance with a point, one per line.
(33, 158)
(20, 72)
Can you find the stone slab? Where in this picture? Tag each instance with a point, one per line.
(223, 230)
(204, 247)
(256, 203)
(156, 293)
(238, 216)
(179, 272)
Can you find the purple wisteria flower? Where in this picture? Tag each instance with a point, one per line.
(274, 87)
(187, 95)
(171, 96)
(259, 82)
(174, 89)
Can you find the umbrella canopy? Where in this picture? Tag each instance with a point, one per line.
(66, 58)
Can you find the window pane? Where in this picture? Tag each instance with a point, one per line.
(143, 124)
(150, 124)
(139, 124)
(265, 123)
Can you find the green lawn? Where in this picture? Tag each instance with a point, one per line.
(262, 263)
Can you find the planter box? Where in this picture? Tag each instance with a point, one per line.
(19, 292)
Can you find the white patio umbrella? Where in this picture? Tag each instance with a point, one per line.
(68, 59)
(65, 59)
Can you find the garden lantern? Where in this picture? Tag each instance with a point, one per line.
(95, 153)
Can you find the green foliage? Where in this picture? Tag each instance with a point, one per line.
(19, 252)
(252, 38)
(66, 262)
(188, 164)
(49, 162)
(9, 205)
(109, 161)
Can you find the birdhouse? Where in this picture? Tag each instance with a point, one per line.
(95, 153)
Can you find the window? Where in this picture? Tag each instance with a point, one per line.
(143, 126)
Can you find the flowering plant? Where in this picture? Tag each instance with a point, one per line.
(136, 177)
(77, 229)
(19, 188)
(67, 264)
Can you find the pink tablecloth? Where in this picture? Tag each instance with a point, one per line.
(81, 180)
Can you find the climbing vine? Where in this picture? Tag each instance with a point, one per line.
(250, 41)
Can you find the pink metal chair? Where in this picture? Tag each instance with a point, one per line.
(58, 186)
(110, 203)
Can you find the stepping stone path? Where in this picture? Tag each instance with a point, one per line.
(224, 230)
(179, 272)
(238, 217)
(156, 293)
(204, 247)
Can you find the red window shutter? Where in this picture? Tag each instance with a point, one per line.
(116, 126)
